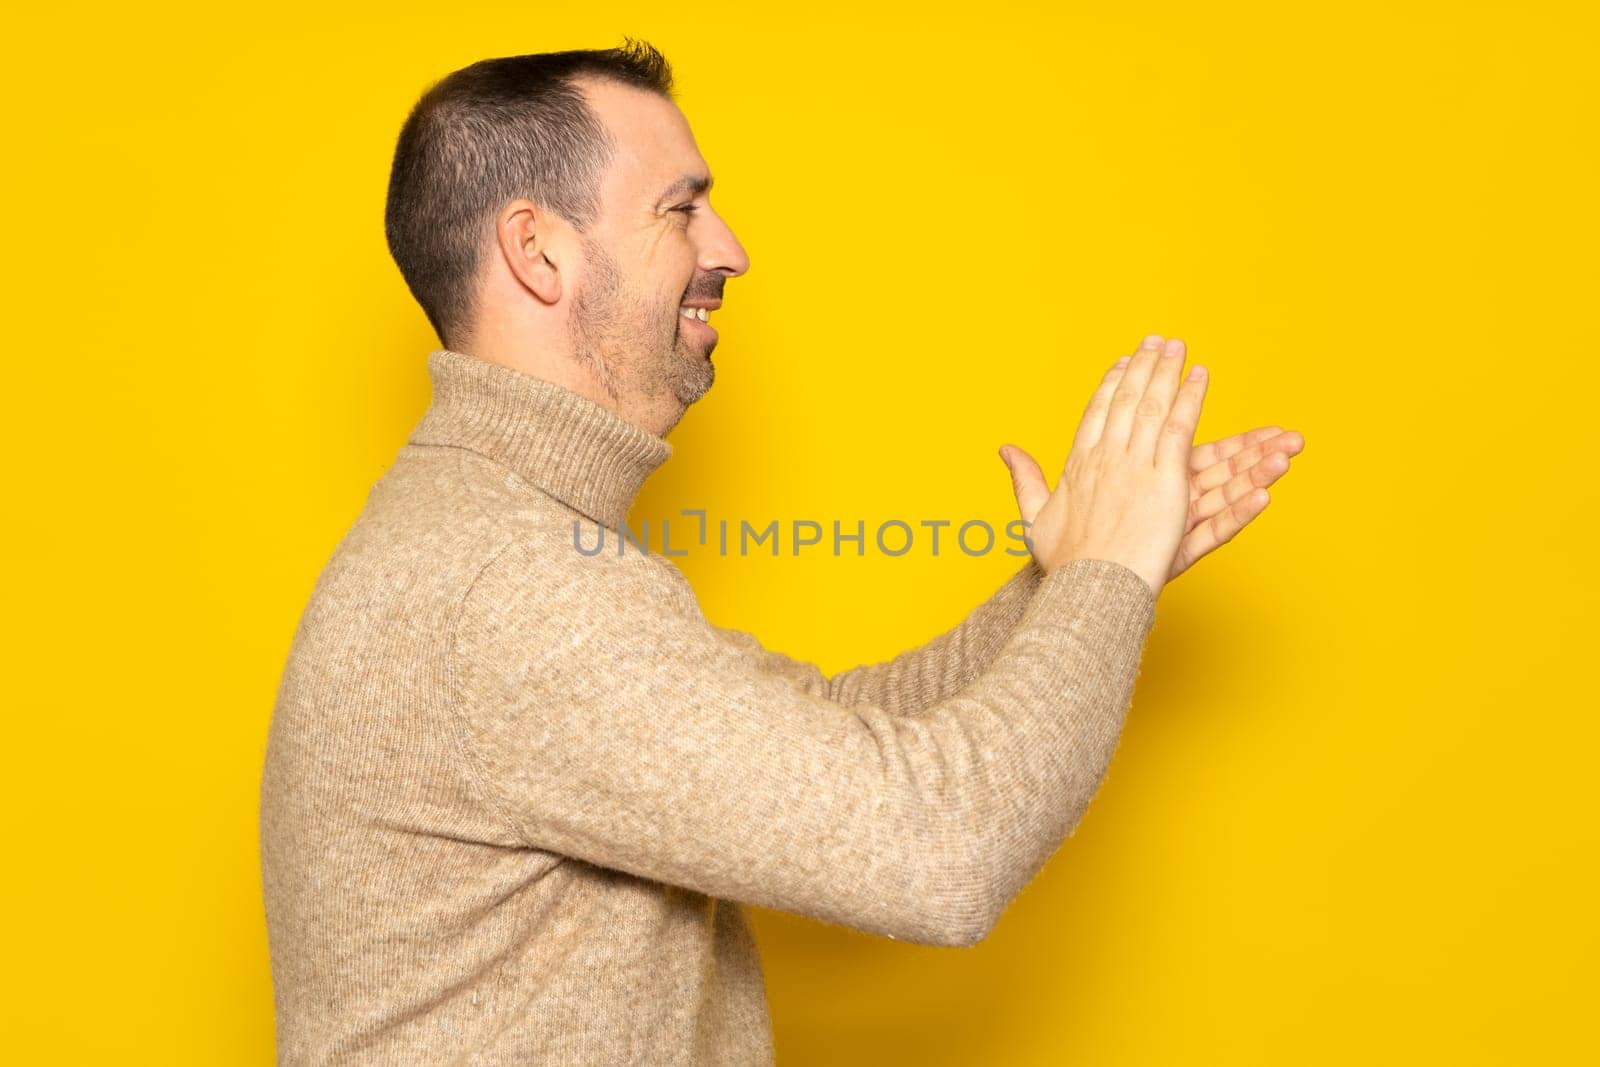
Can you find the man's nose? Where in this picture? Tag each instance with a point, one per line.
(723, 252)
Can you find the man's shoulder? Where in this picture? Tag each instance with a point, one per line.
(542, 617)
(429, 525)
(446, 530)
(574, 564)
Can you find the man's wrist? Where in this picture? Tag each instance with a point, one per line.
(1147, 574)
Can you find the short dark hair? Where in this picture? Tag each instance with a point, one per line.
(490, 133)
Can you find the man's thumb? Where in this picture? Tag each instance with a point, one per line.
(1027, 481)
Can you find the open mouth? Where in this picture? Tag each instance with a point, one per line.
(700, 318)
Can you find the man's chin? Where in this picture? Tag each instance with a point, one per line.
(694, 379)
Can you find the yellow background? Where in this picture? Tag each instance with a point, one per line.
(1352, 818)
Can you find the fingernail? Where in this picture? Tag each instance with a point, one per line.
(1174, 348)
(1123, 362)
(1196, 372)
(1151, 340)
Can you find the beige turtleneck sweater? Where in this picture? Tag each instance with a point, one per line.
(515, 796)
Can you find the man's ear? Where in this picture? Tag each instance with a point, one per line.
(527, 236)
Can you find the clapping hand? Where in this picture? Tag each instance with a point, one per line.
(1228, 481)
(1226, 478)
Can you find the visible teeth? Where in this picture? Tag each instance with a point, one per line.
(703, 313)
(694, 313)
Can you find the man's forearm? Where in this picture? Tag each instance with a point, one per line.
(919, 677)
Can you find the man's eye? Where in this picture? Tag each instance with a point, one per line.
(687, 209)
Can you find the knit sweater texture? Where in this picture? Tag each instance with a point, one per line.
(515, 797)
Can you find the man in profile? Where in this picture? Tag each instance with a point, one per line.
(515, 796)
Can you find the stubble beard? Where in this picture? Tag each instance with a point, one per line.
(635, 345)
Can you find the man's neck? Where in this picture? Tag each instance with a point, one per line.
(572, 447)
(656, 416)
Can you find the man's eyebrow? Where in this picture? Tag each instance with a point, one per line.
(694, 183)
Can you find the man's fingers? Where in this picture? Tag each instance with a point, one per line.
(1258, 475)
(1289, 442)
(1205, 455)
(1094, 414)
(1219, 530)
(1176, 437)
(1151, 413)
(1125, 397)
(1027, 481)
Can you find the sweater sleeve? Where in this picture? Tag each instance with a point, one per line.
(921, 676)
(609, 722)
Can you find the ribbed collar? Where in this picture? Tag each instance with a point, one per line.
(578, 451)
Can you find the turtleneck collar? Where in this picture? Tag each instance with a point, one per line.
(580, 452)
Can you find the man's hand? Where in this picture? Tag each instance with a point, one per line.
(1228, 481)
(1123, 495)
(1227, 478)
